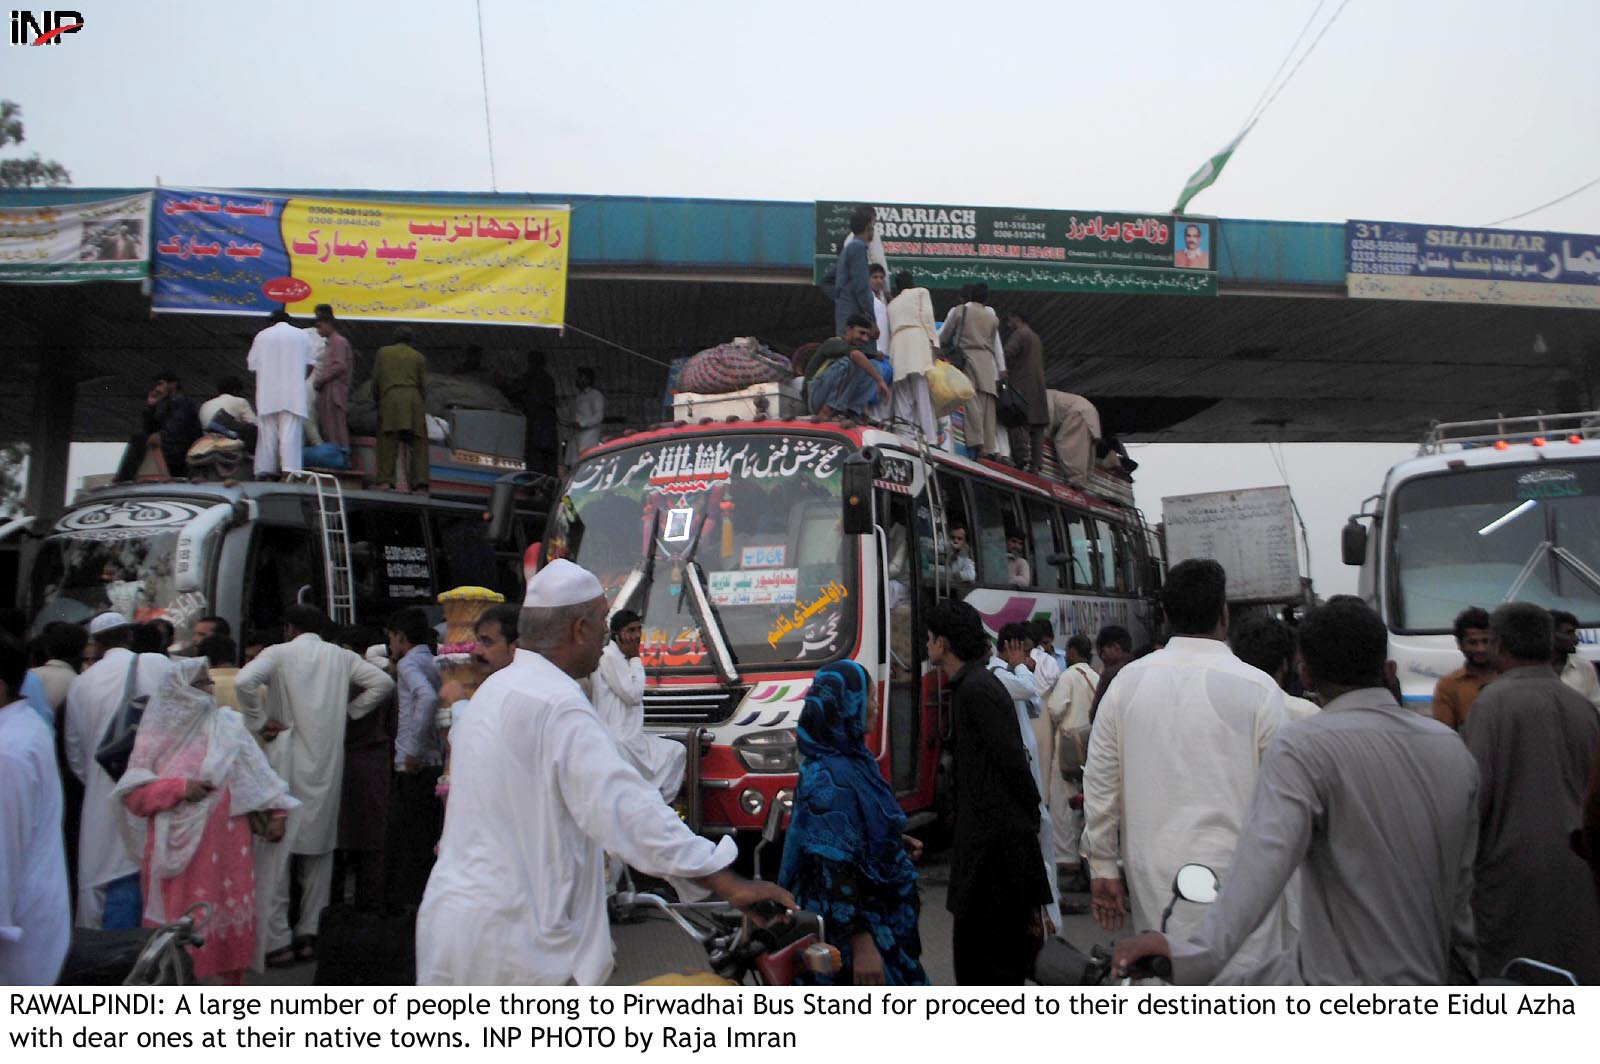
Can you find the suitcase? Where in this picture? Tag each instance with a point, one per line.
(362, 947)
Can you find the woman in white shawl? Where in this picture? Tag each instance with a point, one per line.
(203, 784)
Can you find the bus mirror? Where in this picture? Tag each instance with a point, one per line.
(860, 469)
(1353, 542)
(1057, 559)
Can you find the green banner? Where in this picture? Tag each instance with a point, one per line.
(1033, 250)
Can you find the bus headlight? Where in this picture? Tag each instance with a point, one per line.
(773, 751)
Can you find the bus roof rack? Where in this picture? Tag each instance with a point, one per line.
(1488, 432)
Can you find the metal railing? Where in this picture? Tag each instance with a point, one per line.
(1489, 431)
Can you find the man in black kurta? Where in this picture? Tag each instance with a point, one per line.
(997, 880)
(1533, 737)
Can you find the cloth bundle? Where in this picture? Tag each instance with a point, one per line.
(728, 367)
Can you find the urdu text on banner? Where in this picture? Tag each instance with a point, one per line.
(1436, 263)
(102, 240)
(244, 253)
(1029, 250)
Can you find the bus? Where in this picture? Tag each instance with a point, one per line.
(758, 550)
(247, 550)
(1488, 512)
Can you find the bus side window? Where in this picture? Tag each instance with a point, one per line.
(989, 516)
(1046, 541)
(1106, 550)
(1080, 543)
(1127, 562)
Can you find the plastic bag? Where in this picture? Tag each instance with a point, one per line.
(948, 387)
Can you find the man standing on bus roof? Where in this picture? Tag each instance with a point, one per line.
(1575, 670)
(332, 380)
(280, 355)
(1454, 694)
(539, 794)
(400, 387)
(1173, 759)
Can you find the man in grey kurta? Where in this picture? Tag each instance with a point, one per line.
(1378, 808)
(1533, 737)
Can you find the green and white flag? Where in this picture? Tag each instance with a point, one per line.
(1209, 171)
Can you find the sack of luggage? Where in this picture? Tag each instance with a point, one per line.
(733, 366)
(948, 387)
(362, 947)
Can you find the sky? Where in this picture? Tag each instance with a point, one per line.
(1462, 113)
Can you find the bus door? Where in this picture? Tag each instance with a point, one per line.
(910, 740)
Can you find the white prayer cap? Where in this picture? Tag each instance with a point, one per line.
(378, 654)
(561, 583)
(107, 621)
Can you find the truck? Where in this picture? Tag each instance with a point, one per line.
(1491, 511)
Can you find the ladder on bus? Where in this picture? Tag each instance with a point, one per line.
(339, 583)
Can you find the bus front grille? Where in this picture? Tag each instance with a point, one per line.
(668, 705)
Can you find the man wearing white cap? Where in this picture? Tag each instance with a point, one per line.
(110, 842)
(539, 795)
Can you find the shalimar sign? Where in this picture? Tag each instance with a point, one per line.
(948, 246)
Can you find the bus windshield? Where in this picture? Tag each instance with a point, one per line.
(759, 513)
(115, 556)
(1486, 536)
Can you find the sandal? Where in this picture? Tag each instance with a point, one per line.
(282, 958)
(306, 948)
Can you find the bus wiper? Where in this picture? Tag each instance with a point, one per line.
(705, 615)
(1562, 556)
(638, 583)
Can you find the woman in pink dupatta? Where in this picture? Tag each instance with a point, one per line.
(196, 775)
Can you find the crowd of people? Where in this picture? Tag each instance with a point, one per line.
(887, 342)
(298, 413)
(1356, 841)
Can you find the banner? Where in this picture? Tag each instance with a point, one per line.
(1034, 250)
(105, 240)
(1405, 260)
(243, 253)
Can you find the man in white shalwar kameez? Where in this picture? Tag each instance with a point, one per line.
(1010, 667)
(912, 343)
(280, 355)
(110, 841)
(588, 414)
(538, 796)
(619, 699)
(1067, 709)
(1173, 760)
(296, 697)
(35, 921)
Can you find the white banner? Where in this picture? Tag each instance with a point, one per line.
(102, 240)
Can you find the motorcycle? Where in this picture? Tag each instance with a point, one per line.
(737, 949)
(1060, 964)
(139, 956)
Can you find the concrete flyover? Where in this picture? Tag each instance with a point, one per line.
(1282, 354)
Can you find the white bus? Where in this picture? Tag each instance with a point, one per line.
(1488, 512)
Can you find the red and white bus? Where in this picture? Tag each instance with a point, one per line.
(730, 538)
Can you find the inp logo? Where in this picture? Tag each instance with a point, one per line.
(47, 28)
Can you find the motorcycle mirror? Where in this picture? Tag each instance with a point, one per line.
(1196, 883)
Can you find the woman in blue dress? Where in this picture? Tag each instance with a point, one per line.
(845, 856)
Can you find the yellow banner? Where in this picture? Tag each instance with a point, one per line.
(429, 263)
